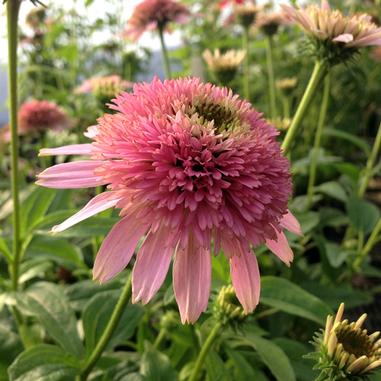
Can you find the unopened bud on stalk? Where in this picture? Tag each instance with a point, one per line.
(227, 307)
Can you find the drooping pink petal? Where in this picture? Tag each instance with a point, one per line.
(151, 266)
(290, 223)
(118, 247)
(73, 149)
(244, 272)
(281, 248)
(191, 281)
(96, 205)
(346, 37)
(77, 174)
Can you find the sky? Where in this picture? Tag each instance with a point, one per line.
(94, 10)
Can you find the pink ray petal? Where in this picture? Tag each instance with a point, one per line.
(191, 281)
(151, 266)
(244, 272)
(325, 5)
(73, 149)
(96, 205)
(91, 132)
(345, 38)
(78, 174)
(290, 223)
(281, 248)
(118, 247)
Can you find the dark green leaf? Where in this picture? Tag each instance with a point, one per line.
(272, 356)
(288, 297)
(363, 214)
(334, 190)
(155, 366)
(97, 313)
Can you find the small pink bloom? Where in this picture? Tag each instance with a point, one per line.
(108, 86)
(153, 14)
(36, 115)
(193, 169)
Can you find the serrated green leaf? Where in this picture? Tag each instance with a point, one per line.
(50, 305)
(43, 362)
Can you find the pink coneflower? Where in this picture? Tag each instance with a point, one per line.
(194, 170)
(224, 3)
(155, 14)
(107, 86)
(41, 115)
(326, 24)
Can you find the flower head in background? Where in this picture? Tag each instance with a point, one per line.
(245, 14)
(155, 14)
(269, 23)
(37, 115)
(36, 17)
(345, 350)
(336, 36)
(376, 54)
(224, 66)
(104, 87)
(194, 169)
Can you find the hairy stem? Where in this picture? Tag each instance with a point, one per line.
(271, 78)
(246, 63)
(107, 333)
(317, 75)
(204, 351)
(317, 142)
(164, 53)
(370, 164)
(13, 7)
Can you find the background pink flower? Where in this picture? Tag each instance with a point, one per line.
(153, 14)
(40, 115)
(194, 169)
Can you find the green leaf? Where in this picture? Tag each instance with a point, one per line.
(362, 214)
(288, 297)
(355, 140)
(272, 356)
(295, 352)
(34, 207)
(43, 362)
(334, 190)
(336, 255)
(124, 371)
(56, 249)
(49, 304)
(155, 366)
(5, 250)
(35, 267)
(308, 221)
(10, 344)
(97, 313)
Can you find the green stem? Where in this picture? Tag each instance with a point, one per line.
(204, 351)
(164, 52)
(246, 63)
(372, 240)
(317, 142)
(13, 7)
(271, 79)
(107, 333)
(286, 107)
(160, 338)
(370, 164)
(317, 75)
